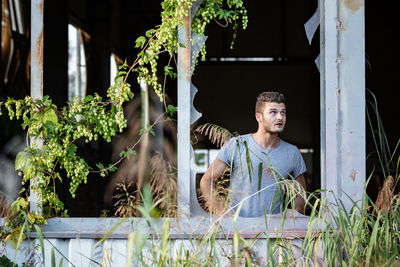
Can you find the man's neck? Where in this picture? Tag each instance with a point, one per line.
(266, 140)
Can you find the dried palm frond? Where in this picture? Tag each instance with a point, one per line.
(217, 134)
(293, 189)
(163, 184)
(385, 198)
(247, 257)
(4, 206)
(126, 205)
(221, 190)
(221, 186)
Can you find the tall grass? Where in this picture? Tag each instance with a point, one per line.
(366, 235)
(335, 237)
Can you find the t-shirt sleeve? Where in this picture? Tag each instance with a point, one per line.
(299, 165)
(227, 151)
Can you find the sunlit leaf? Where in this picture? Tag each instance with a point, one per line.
(50, 115)
(23, 161)
(140, 41)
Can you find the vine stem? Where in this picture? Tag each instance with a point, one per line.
(131, 147)
(226, 20)
(165, 79)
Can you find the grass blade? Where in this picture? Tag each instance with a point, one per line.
(260, 168)
(248, 159)
(40, 235)
(53, 258)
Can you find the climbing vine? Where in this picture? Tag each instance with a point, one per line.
(52, 132)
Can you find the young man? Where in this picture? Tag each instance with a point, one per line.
(259, 155)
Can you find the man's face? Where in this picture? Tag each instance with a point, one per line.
(273, 118)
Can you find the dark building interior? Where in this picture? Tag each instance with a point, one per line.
(272, 54)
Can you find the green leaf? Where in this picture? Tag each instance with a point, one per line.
(220, 13)
(130, 94)
(100, 165)
(152, 132)
(149, 33)
(88, 99)
(127, 153)
(50, 115)
(21, 202)
(118, 80)
(140, 41)
(17, 237)
(123, 66)
(229, 14)
(49, 126)
(174, 49)
(147, 129)
(169, 71)
(23, 161)
(149, 209)
(181, 45)
(171, 110)
(112, 168)
(121, 73)
(72, 149)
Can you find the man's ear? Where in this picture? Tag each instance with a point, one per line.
(258, 117)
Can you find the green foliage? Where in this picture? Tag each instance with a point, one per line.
(168, 71)
(18, 221)
(386, 158)
(54, 131)
(335, 237)
(6, 262)
(171, 110)
(140, 41)
(224, 13)
(23, 162)
(148, 209)
(147, 129)
(127, 153)
(164, 38)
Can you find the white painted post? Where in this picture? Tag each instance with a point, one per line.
(184, 118)
(36, 74)
(343, 99)
(352, 95)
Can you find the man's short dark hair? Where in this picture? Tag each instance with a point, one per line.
(265, 97)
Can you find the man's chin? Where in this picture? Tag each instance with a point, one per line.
(278, 130)
(274, 129)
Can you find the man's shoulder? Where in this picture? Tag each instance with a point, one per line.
(288, 146)
(240, 138)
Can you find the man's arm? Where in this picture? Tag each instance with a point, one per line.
(215, 171)
(300, 203)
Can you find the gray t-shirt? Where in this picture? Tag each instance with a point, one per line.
(249, 161)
